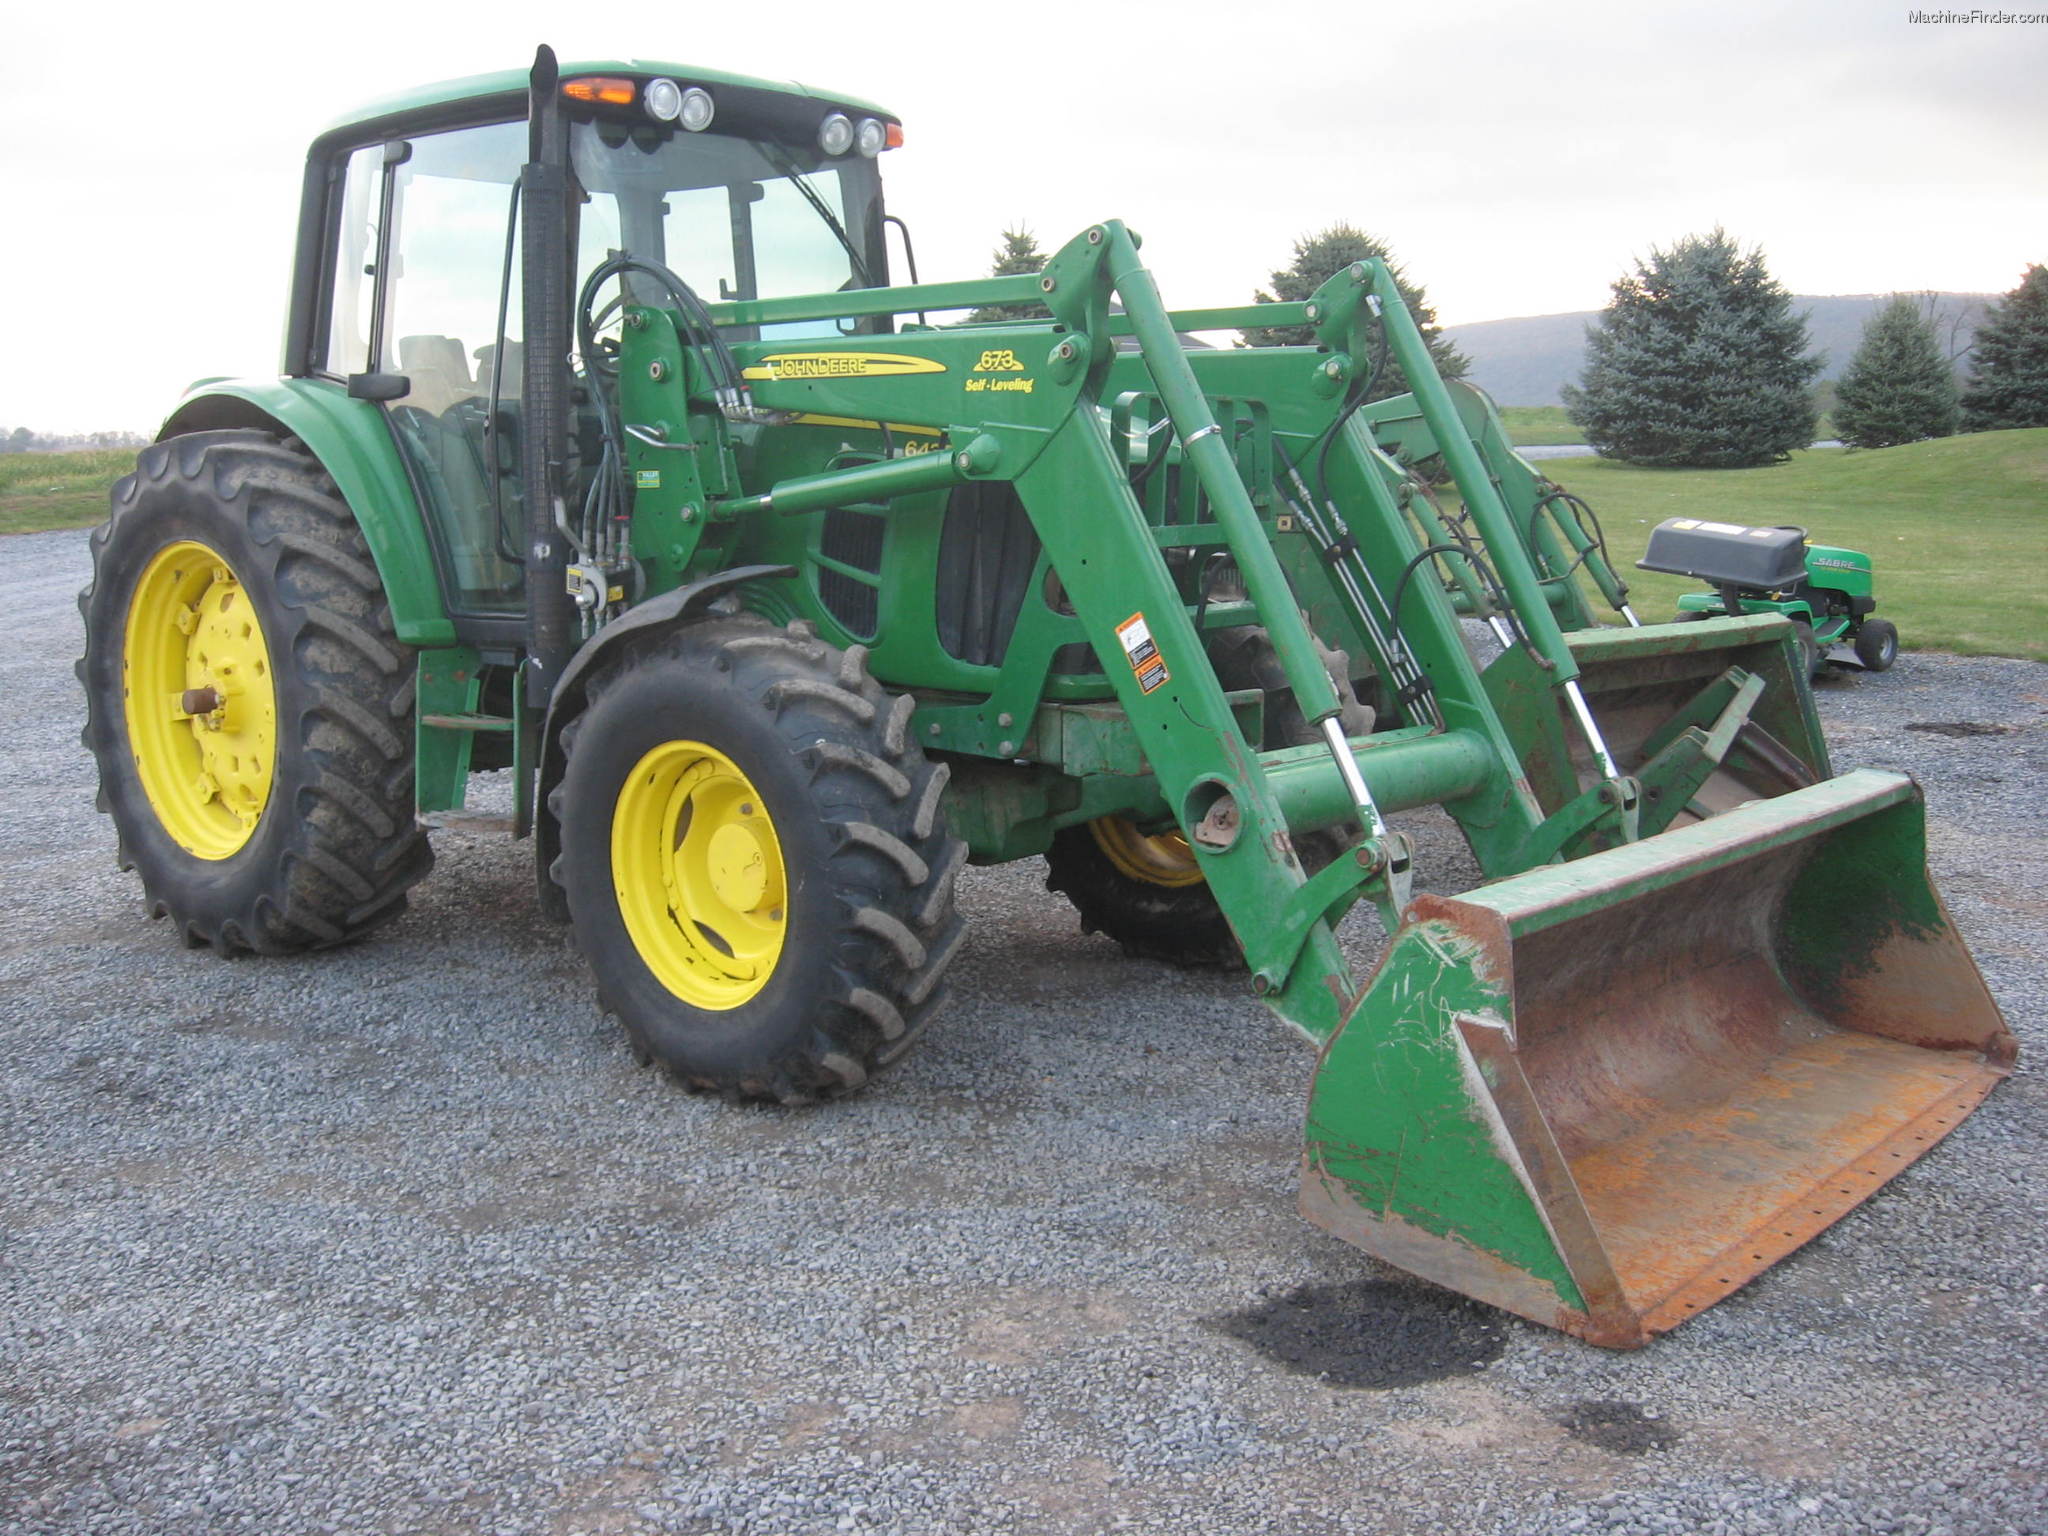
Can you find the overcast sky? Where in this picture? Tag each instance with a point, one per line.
(1517, 156)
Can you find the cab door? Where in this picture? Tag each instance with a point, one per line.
(424, 295)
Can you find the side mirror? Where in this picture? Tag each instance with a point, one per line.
(378, 386)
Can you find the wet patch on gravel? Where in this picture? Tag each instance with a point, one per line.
(1961, 730)
(1612, 1425)
(1371, 1333)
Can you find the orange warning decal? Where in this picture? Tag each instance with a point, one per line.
(1142, 653)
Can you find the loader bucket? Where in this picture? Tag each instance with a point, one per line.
(1605, 1094)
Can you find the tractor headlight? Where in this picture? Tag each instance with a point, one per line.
(663, 100)
(871, 136)
(697, 109)
(835, 134)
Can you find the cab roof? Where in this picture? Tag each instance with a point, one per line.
(513, 83)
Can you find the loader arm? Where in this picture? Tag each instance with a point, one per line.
(1586, 1091)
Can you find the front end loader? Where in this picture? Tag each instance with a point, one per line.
(606, 454)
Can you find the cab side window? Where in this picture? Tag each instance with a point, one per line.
(354, 292)
(427, 229)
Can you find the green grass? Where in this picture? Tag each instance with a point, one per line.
(1539, 426)
(1958, 529)
(40, 491)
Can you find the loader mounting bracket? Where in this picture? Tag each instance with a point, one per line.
(1378, 869)
(1605, 815)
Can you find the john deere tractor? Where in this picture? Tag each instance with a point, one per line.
(607, 454)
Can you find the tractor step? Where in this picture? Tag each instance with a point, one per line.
(467, 722)
(489, 822)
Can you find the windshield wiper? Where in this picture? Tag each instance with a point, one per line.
(781, 160)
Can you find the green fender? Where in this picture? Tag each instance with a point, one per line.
(356, 448)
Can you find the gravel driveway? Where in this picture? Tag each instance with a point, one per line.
(399, 1240)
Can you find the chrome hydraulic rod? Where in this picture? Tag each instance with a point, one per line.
(1386, 857)
(1354, 782)
(1594, 739)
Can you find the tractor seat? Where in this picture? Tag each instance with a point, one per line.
(439, 370)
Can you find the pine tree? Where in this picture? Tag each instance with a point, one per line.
(1898, 388)
(1320, 257)
(1018, 256)
(2009, 363)
(1698, 361)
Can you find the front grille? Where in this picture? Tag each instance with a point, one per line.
(854, 539)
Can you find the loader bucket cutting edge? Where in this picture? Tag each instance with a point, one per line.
(1606, 1094)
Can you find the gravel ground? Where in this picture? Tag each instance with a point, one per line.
(398, 1239)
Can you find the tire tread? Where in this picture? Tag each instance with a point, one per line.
(353, 848)
(893, 928)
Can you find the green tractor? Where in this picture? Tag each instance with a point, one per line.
(1826, 593)
(606, 454)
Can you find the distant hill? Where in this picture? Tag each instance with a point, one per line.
(1526, 361)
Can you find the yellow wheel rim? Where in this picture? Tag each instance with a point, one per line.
(698, 872)
(1162, 860)
(200, 701)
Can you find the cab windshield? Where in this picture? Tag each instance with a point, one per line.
(735, 218)
(424, 271)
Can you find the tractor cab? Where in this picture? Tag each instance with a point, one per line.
(412, 287)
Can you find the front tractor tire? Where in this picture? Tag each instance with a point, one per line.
(755, 861)
(247, 702)
(1877, 644)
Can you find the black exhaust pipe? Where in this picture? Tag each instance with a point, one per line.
(543, 202)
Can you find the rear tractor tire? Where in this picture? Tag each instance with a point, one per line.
(756, 862)
(247, 701)
(1145, 890)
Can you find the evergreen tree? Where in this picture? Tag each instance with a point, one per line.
(1697, 361)
(1018, 256)
(1898, 388)
(1320, 257)
(2009, 364)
